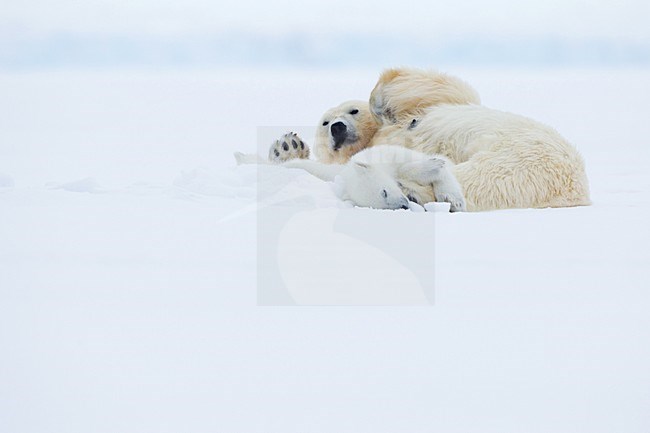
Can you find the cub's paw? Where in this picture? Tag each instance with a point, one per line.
(457, 203)
(289, 146)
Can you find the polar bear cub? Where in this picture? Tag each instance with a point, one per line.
(385, 177)
(388, 177)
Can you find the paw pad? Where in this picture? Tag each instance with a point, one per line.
(289, 146)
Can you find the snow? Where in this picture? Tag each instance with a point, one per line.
(134, 254)
(87, 184)
(6, 181)
(433, 207)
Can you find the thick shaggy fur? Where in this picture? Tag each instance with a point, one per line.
(502, 160)
(403, 94)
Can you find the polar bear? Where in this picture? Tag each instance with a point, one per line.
(351, 127)
(500, 160)
(342, 131)
(385, 177)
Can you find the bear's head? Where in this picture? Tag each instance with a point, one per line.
(369, 185)
(389, 177)
(404, 94)
(343, 131)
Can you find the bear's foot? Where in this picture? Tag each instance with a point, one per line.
(456, 201)
(289, 146)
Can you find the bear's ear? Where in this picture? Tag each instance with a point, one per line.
(423, 172)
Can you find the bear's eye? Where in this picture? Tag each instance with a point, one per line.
(325, 123)
(353, 112)
(384, 193)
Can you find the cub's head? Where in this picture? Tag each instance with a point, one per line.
(368, 185)
(343, 131)
(403, 94)
(388, 177)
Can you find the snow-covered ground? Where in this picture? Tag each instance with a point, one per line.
(133, 255)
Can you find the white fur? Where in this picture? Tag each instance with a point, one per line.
(502, 160)
(425, 176)
(361, 128)
(381, 176)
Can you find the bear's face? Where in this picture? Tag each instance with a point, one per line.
(388, 177)
(368, 185)
(343, 131)
(402, 95)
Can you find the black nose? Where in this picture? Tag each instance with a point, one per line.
(338, 129)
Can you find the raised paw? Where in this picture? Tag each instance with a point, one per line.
(289, 146)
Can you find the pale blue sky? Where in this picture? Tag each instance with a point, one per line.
(100, 33)
(629, 19)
